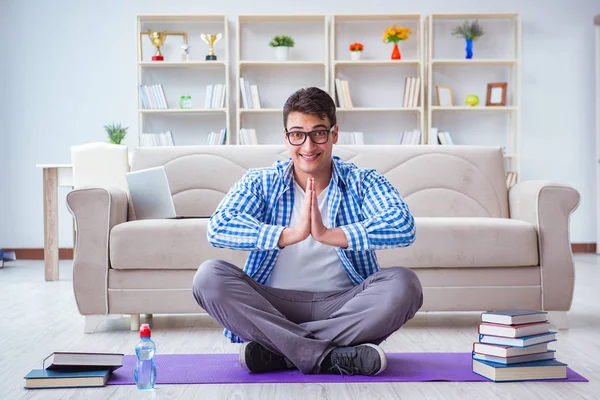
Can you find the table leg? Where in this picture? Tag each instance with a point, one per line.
(51, 224)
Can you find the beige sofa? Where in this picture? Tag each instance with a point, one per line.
(478, 245)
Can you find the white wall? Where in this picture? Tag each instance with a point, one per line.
(68, 68)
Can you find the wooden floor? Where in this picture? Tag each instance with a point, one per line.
(39, 317)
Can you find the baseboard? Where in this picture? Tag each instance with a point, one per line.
(67, 254)
(583, 247)
(38, 254)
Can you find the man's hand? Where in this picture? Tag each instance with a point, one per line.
(317, 229)
(302, 229)
(332, 237)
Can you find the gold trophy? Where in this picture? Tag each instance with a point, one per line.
(211, 40)
(157, 38)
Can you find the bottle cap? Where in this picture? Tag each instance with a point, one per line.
(145, 331)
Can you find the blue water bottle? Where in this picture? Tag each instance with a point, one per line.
(145, 369)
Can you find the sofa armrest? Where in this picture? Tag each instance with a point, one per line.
(96, 211)
(548, 206)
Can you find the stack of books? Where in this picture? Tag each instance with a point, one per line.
(513, 346)
(73, 369)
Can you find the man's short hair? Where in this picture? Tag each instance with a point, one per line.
(312, 101)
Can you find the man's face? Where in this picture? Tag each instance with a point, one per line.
(310, 158)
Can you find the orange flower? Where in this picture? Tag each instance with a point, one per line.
(356, 47)
(395, 33)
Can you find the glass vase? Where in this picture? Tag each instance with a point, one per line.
(469, 48)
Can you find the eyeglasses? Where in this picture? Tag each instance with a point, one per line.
(297, 138)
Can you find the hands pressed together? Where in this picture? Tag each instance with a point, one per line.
(310, 223)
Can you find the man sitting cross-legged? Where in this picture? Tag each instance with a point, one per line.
(311, 295)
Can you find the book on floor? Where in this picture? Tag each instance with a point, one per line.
(537, 370)
(82, 361)
(47, 378)
(514, 317)
(549, 355)
(524, 341)
(514, 331)
(508, 351)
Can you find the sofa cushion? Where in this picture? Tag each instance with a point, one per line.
(441, 242)
(467, 242)
(166, 244)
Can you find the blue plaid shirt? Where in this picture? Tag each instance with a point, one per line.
(361, 202)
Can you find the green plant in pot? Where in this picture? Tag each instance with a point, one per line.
(116, 133)
(282, 45)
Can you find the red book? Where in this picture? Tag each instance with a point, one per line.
(514, 331)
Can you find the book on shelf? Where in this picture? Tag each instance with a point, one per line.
(444, 138)
(216, 96)
(412, 90)
(342, 94)
(410, 137)
(248, 136)
(157, 139)
(514, 349)
(217, 138)
(345, 137)
(153, 96)
(249, 92)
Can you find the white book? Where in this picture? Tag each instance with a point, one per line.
(411, 83)
(432, 139)
(207, 96)
(417, 91)
(347, 97)
(248, 94)
(163, 96)
(243, 93)
(406, 87)
(340, 93)
(255, 98)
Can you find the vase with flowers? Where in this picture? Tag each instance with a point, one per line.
(356, 50)
(469, 31)
(395, 34)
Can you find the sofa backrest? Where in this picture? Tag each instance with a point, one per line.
(435, 181)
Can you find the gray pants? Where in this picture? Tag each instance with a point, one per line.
(305, 326)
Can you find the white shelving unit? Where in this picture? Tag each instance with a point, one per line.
(307, 65)
(496, 58)
(178, 77)
(376, 82)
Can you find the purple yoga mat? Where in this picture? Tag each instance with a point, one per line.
(225, 368)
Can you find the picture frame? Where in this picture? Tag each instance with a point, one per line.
(496, 94)
(444, 96)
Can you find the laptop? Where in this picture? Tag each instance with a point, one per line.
(150, 193)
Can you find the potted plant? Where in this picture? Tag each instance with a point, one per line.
(356, 50)
(469, 31)
(116, 133)
(282, 45)
(395, 34)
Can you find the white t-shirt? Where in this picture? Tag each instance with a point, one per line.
(309, 265)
